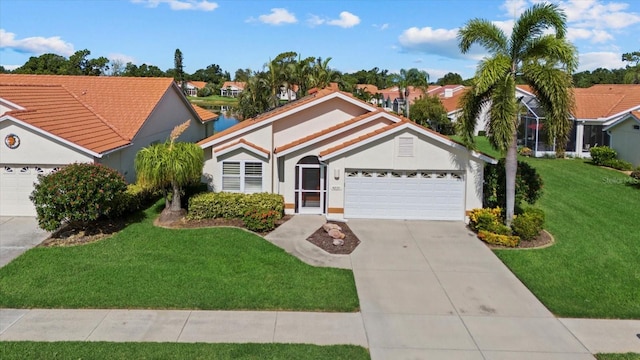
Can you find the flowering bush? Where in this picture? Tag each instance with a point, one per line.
(260, 220)
(484, 219)
(78, 193)
(497, 239)
(525, 151)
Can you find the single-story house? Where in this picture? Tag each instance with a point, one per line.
(603, 116)
(232, 88)
(48, 121)
(333, 154)
(191, 87)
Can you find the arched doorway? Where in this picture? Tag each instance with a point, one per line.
(310, 191)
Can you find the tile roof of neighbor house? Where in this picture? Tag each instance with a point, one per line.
(204, 114)
(124, 102)
(606, 100)
(237, 84)
(55, 110)
(198, 84)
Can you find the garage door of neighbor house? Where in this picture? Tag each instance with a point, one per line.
(16, 184)
(425, 195)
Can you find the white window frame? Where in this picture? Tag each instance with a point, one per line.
(243, 175)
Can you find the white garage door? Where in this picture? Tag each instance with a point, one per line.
(16, 184)
(426, 195)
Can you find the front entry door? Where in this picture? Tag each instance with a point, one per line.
(310, 189)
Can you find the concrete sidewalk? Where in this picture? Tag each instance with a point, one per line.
(182, 326)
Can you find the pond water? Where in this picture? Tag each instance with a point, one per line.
(223, 122)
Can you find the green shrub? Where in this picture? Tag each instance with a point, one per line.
(617, 164)
(227, 205)
(600, 154)
(497, 239)
(79, 193)
(488, 220)
(635, 174)
(482, 133)
(528, 185)
(528, 224)
(260, 220)
(134, 198)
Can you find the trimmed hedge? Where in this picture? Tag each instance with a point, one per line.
(617, 164)
(600, 154)
(135, 198)
(227, 205)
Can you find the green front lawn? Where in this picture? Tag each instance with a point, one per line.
(213, 100)
(147, 267)
(627, 356)
(593, 270)
(110, 350)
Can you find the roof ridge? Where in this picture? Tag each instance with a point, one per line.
(88, 107)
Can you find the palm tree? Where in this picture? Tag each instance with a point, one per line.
(407, 78)
(170, 165)
(541, 60)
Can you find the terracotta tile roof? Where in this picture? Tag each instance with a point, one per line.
(54, 109)
(242, 141)
(636, 114)
(453, 103)
(238, 84)
(124, 102)
(326, 131)
(198, 84)
(526, 88)
(602, 101)
(204, 114)
(269, 114)
(372, 89)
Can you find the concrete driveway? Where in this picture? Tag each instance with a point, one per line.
(17, 235)
(431, 290)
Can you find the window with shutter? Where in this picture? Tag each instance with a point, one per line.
(242, 176)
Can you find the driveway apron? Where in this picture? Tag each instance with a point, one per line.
(432, 290)
(17, 235)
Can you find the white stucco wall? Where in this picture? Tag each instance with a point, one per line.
(170, 112)
(36, 148)
(314, 119)
(626, 141)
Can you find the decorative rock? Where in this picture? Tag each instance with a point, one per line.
(327, 227)
(338, 242)
(336, 234)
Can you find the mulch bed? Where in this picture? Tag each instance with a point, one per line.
(321, 239)
(544, 239)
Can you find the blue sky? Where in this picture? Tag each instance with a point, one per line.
(245, 34)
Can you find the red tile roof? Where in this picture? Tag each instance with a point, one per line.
(204, 114)
(198, 84)
(242, 141)
(605, 100)
(54, 109)
(124, 102)
(238, 84)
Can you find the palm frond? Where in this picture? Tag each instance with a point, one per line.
(491, 71)
(483, 33)
(551, 50)
(472, 104)
(503, 114)
(533, 22)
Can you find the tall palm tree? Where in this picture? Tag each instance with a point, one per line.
(170, 165)
(543, 61)
(407, 78)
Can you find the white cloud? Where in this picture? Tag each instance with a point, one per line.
(593, 60)
(599, 15)
(10, 67)
(121, 57)
(428, 40)
(315, 20)
(381, 27)
(35, 45)
(513, 8)
(346, 20)
(278, 16)
(594, 35)
(201, 5)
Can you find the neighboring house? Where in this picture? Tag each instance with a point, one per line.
(49, 121)
(191, 87)
(232, 88)
(288, 94)
(330, 153)
(604, 116)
